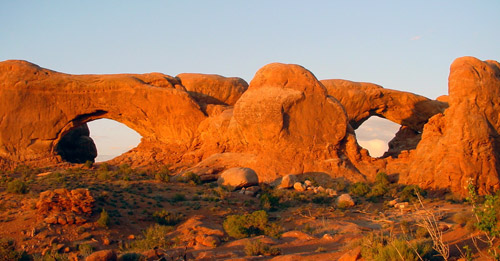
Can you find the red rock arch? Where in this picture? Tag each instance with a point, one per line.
(39, 106)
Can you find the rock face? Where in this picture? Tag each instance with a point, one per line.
(213, 89)
(285, 122)
(462, 143)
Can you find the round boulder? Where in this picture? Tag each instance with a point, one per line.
(345, 200)
(238, 178)
(288, 181)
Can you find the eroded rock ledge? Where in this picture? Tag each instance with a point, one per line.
(284, 122)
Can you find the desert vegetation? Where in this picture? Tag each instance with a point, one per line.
(138, 211)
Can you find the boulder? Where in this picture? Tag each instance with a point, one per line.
(299, 186)
(238, 178)
(103, 255)
(345, 200)
(288, 181)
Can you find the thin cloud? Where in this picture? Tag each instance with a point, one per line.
(416, 38)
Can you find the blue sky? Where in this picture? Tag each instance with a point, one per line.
(400, 45)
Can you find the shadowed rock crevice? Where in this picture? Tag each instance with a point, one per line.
(77, 146)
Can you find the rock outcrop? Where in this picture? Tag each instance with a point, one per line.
(77, 146)
(284, 122)
(61, 206)
(462, 144)
(362, 100)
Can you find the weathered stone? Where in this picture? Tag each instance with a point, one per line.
(461, 144)
(61, 206)
(288, 181)
(345, 200)
(299, 186)
(238, 177)
(103, 255)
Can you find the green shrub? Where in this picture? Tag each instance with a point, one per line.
(377, 190)
(103, 220)
(88, 164)
(359, 189)
(409, 193)
(17, 186)
(85, 250)
(163, 175)
(269, 201)
(381, 248)
(8, 250)
(191, 178)
(382, 178)
(255, 248)
(256, 223)
(178, 197)
(167, 218)
(153, 236)
(321, 198)
(132, 257)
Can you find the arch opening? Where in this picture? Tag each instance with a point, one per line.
(97, 140)
(374, 135)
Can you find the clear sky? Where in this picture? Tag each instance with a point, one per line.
(400, 45)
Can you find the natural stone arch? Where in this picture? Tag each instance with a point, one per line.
(362, 100)
(39, 106)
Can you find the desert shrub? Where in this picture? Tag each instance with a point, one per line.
(103, 220)
(381, 248)
(377, 190)
(255, 248)
(191, 178)
(132, 257)
(17, 186)
(409, 193)
(8, 250)
(382, 178)
(359, 189)
(421, 232)
(153, 236)
(85, 250)
(321, 198)
(167, 218)
(256, 223)
(487, 216)
(178, 197)
(88, 164)
(269, 201)
(163, 174)
(25, 171)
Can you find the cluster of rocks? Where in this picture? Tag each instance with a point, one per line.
(61, 206)
(291, 181)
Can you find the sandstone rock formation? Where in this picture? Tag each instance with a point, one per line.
(77, 146)
(61, 206)
(462, 144)
(362, 100)
(285, 122)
